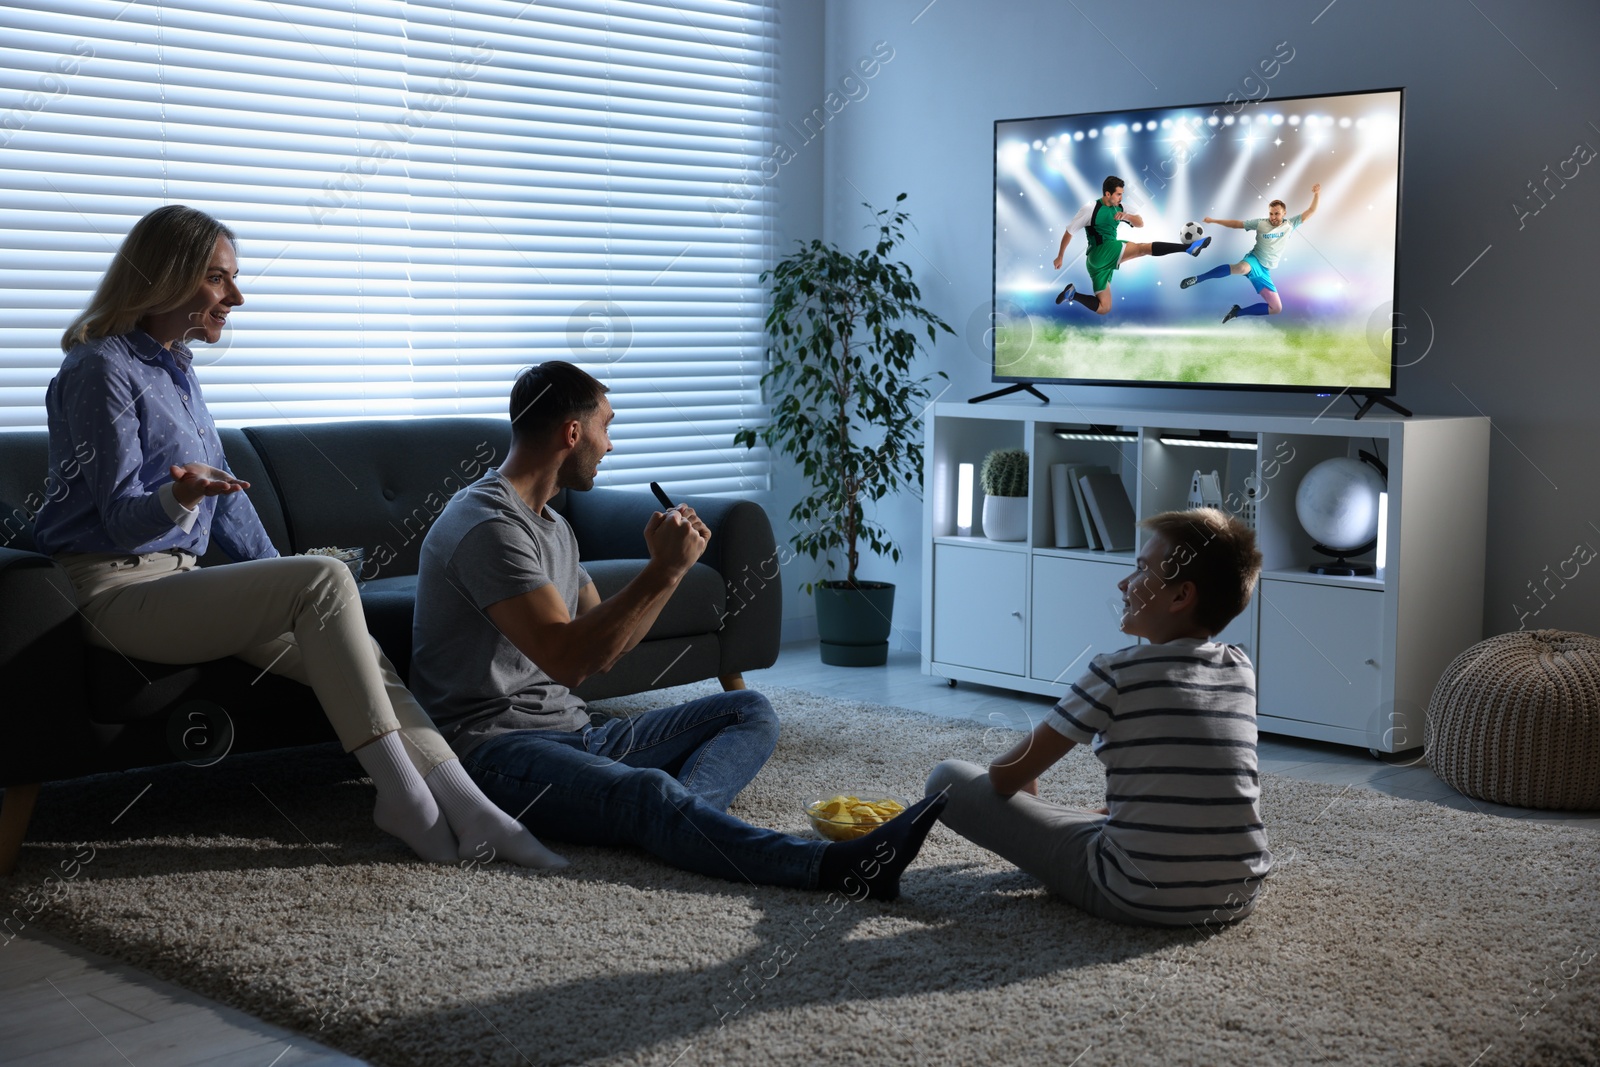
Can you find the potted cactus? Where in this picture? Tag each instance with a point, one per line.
(1005, 494)
(843, 334)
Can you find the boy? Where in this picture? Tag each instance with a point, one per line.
(1180, 841)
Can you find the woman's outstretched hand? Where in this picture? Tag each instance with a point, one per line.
(194, 481)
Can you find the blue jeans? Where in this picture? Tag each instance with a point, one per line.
(661, 781)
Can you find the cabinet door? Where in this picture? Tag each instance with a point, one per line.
(1077, 614)
(1321, 654)
(980, 607)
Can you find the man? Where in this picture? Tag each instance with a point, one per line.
(1272, 233)
(508, 623)
(1098, 221)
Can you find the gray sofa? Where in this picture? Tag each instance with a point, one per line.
(70, 709)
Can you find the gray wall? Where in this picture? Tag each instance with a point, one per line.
(1486, 112)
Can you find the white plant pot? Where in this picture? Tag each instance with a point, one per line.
(1005, 518)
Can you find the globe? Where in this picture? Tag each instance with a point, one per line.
(1337, 503)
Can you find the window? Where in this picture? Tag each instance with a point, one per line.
(428, 197)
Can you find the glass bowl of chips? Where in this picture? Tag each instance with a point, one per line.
(846, 816)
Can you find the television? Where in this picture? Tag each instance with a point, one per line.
(1296, 297)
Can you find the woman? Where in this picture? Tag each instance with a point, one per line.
(134, 519)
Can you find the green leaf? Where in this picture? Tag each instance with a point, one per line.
(844, 399)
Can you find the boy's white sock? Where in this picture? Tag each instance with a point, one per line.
(406, 807)
(476, 820)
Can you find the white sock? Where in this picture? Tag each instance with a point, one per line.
(406, 807)
(477, 821)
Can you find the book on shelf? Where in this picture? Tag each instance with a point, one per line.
(1110, 509)
(1075, 475)
(1064, 507)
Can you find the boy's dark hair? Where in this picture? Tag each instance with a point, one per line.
(1111, 184)
(548, 394)
(1217, 553)
(1278, 203)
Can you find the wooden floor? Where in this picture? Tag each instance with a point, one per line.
(61, 1005)
(66, 1007)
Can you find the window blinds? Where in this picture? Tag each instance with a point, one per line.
(428, 196)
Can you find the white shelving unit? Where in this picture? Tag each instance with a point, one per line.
(1345, 659)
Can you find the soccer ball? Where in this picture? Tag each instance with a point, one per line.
(1191, 232)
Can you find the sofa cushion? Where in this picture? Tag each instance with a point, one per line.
(696, 607)
(374, 484)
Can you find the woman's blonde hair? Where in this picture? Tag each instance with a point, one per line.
(160, 265)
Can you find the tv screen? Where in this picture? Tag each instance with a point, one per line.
(1250, 245)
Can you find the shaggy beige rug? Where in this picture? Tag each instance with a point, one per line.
(1392, 932)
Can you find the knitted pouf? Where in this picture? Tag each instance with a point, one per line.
(1516, 720)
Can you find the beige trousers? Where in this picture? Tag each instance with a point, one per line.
(298, 616)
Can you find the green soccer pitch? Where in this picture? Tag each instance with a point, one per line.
(1240, 353)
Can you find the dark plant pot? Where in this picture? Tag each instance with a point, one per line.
(853, 623)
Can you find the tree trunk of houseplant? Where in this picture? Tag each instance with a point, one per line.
(853, 622)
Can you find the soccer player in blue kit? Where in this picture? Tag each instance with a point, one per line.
(1271, 234)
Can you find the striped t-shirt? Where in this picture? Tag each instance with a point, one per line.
(1175, 726)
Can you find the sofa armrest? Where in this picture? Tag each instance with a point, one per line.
(609, 524)
(45, 730)
(752, 629)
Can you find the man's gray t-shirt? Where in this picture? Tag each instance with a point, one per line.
(488, 545)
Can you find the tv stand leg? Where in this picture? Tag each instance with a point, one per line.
(1362, 409)
(1008, 390)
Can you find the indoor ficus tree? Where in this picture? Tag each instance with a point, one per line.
(843, 333)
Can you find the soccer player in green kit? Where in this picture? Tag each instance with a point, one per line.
(1098, 220)
(1271, 233)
